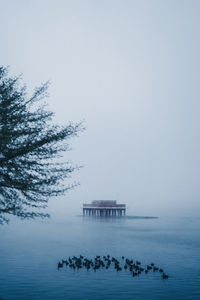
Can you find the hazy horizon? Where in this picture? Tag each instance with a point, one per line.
(130, 70)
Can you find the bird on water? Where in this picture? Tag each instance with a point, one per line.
(106, 262)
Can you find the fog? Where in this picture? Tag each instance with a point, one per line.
(130, 70)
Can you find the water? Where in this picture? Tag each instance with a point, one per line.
(30, 251)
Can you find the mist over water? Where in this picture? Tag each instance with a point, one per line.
(130, 70)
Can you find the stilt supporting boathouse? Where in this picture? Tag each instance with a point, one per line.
(104, 208)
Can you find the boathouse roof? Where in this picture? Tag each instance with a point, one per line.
(104, 203)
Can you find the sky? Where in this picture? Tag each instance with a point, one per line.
(130, 70)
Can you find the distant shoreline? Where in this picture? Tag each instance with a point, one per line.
(140, 217)
(120, 217)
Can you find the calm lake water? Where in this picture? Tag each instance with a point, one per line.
(30, 251)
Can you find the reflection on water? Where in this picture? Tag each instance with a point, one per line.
(114, 218)
(30, 251)
(93, 219)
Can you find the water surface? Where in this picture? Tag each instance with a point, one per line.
(30, 251)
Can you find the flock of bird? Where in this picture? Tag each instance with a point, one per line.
(106, 262)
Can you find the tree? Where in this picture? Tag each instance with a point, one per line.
(30, 148)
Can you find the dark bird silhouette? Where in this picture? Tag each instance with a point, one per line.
(60, 265)
(141, 269)
(97, 263)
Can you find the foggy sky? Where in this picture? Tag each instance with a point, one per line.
(130, 70)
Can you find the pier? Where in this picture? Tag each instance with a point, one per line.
(104, 208)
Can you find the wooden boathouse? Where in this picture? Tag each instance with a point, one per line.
(104, 208)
